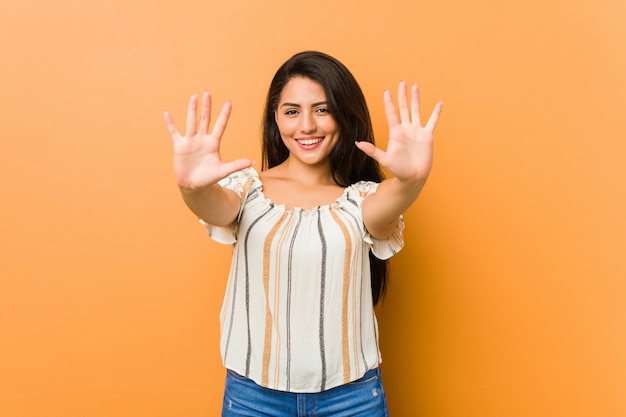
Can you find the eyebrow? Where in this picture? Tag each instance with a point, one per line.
(298, 105)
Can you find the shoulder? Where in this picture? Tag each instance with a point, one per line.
(359, 191)
(241, 181)
(364, 186)
(240, 177)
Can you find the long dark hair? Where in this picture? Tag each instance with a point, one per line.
(346, 103)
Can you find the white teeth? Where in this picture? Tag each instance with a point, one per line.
(310, 141)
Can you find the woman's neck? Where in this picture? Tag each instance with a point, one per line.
(307, 174)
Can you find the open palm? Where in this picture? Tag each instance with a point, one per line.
(409, 151)
(197, 161)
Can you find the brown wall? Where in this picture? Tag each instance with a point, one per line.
(508, 299)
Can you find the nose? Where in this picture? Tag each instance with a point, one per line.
(307, 123)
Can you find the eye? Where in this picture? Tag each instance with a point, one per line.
(291, 112)
(322, 110)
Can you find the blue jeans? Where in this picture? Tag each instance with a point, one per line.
(363, 398)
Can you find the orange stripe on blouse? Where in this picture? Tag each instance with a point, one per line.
(277, 274)
(356, 297)
(267, 345)
(345, 348)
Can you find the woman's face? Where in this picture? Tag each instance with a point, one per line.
(306, 127)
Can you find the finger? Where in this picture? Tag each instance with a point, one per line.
(434, 117)
(205, 113)
(236, 165)
(170, 123)
(372, 151)
(403, 104)
(191, 115)
(222, 120)
(415, 104)
(390, 110)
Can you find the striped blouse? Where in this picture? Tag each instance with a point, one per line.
(297, 313)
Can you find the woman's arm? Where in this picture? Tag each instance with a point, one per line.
(382, 210)
(408, 158)
(213, 204)
(198, 165)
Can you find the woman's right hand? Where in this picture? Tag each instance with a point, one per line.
(197, 161)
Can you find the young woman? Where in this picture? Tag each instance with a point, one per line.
(310, 235)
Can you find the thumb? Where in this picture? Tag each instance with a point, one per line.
(236, 165)
(370, 150)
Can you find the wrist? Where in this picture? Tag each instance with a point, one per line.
(190, 189)
(410, 185)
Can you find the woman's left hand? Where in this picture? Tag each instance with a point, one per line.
(409, 153)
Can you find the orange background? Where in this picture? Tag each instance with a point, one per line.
(509, 297)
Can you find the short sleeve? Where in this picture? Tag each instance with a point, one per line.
(240, 182)
(381, 248)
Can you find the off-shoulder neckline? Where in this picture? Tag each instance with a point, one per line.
(270, 202)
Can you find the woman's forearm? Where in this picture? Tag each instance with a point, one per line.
(382, 210)
(213, 204)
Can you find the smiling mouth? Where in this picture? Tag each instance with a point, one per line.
(309, 141)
